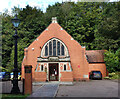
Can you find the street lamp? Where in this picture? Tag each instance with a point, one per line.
(15, 88)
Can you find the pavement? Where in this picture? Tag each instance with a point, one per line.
(6, 86)
(93, 88)
(46, 90)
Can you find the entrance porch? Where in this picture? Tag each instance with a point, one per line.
(53, 69)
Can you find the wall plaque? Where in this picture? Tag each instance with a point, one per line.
(28, 69)
(53, 59)
(85, 76)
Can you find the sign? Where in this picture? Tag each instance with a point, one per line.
(53, 59)
(28, 69)
(85, 76)
(78, 66)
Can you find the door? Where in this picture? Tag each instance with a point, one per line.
(53, 72)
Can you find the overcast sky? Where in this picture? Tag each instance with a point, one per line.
(42, 4)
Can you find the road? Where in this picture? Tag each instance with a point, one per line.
(93, 88)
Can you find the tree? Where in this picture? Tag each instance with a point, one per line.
(30, 27)
(112, 60)
(7, 39)
(109, 28)
(92, 24)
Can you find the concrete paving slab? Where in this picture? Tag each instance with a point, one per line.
(47, 90)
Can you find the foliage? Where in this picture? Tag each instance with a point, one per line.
(30, 27)
(3, 69)
(107, 77)
(113, 75)
(110, 27)
(92, 24)
(112, 60)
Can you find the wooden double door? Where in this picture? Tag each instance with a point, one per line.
(53, 72)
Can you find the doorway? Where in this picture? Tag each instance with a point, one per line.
(53, 72)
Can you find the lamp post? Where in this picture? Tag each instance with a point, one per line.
(15, 88)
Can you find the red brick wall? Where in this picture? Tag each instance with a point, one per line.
(76, 52)
(98, 67)
(66, 76)
(40, 76)
(28, 80)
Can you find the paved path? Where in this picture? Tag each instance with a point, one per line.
(47, 90)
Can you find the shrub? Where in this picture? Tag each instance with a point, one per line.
(114, 75)
(112, 60)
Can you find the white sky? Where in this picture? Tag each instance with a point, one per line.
(43, 4)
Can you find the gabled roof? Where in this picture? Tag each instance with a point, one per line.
(95, 56)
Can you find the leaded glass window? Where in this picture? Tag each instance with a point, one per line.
(62, 50)
(46, 50)
(50, 48)
(58, 48)
(54, 47)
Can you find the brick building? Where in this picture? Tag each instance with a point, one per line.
(56, 56)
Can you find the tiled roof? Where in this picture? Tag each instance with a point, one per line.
(95, 56)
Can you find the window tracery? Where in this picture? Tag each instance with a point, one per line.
(54, 47)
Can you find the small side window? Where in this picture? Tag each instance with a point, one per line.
(64, 67)
(41, 67)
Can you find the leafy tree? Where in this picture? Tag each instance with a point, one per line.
(93, 24)
(109, 28)
(7, 33)
(112, 60)
(30, 27)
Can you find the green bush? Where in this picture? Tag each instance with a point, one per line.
(114, 75)
(112, 60)
(111, 74)
(106, 77)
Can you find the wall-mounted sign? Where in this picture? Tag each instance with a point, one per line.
(85, 76)
(53, 59)
(28, 69)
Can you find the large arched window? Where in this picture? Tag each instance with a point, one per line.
(54, 47)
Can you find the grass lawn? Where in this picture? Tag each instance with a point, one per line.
(13, 96)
